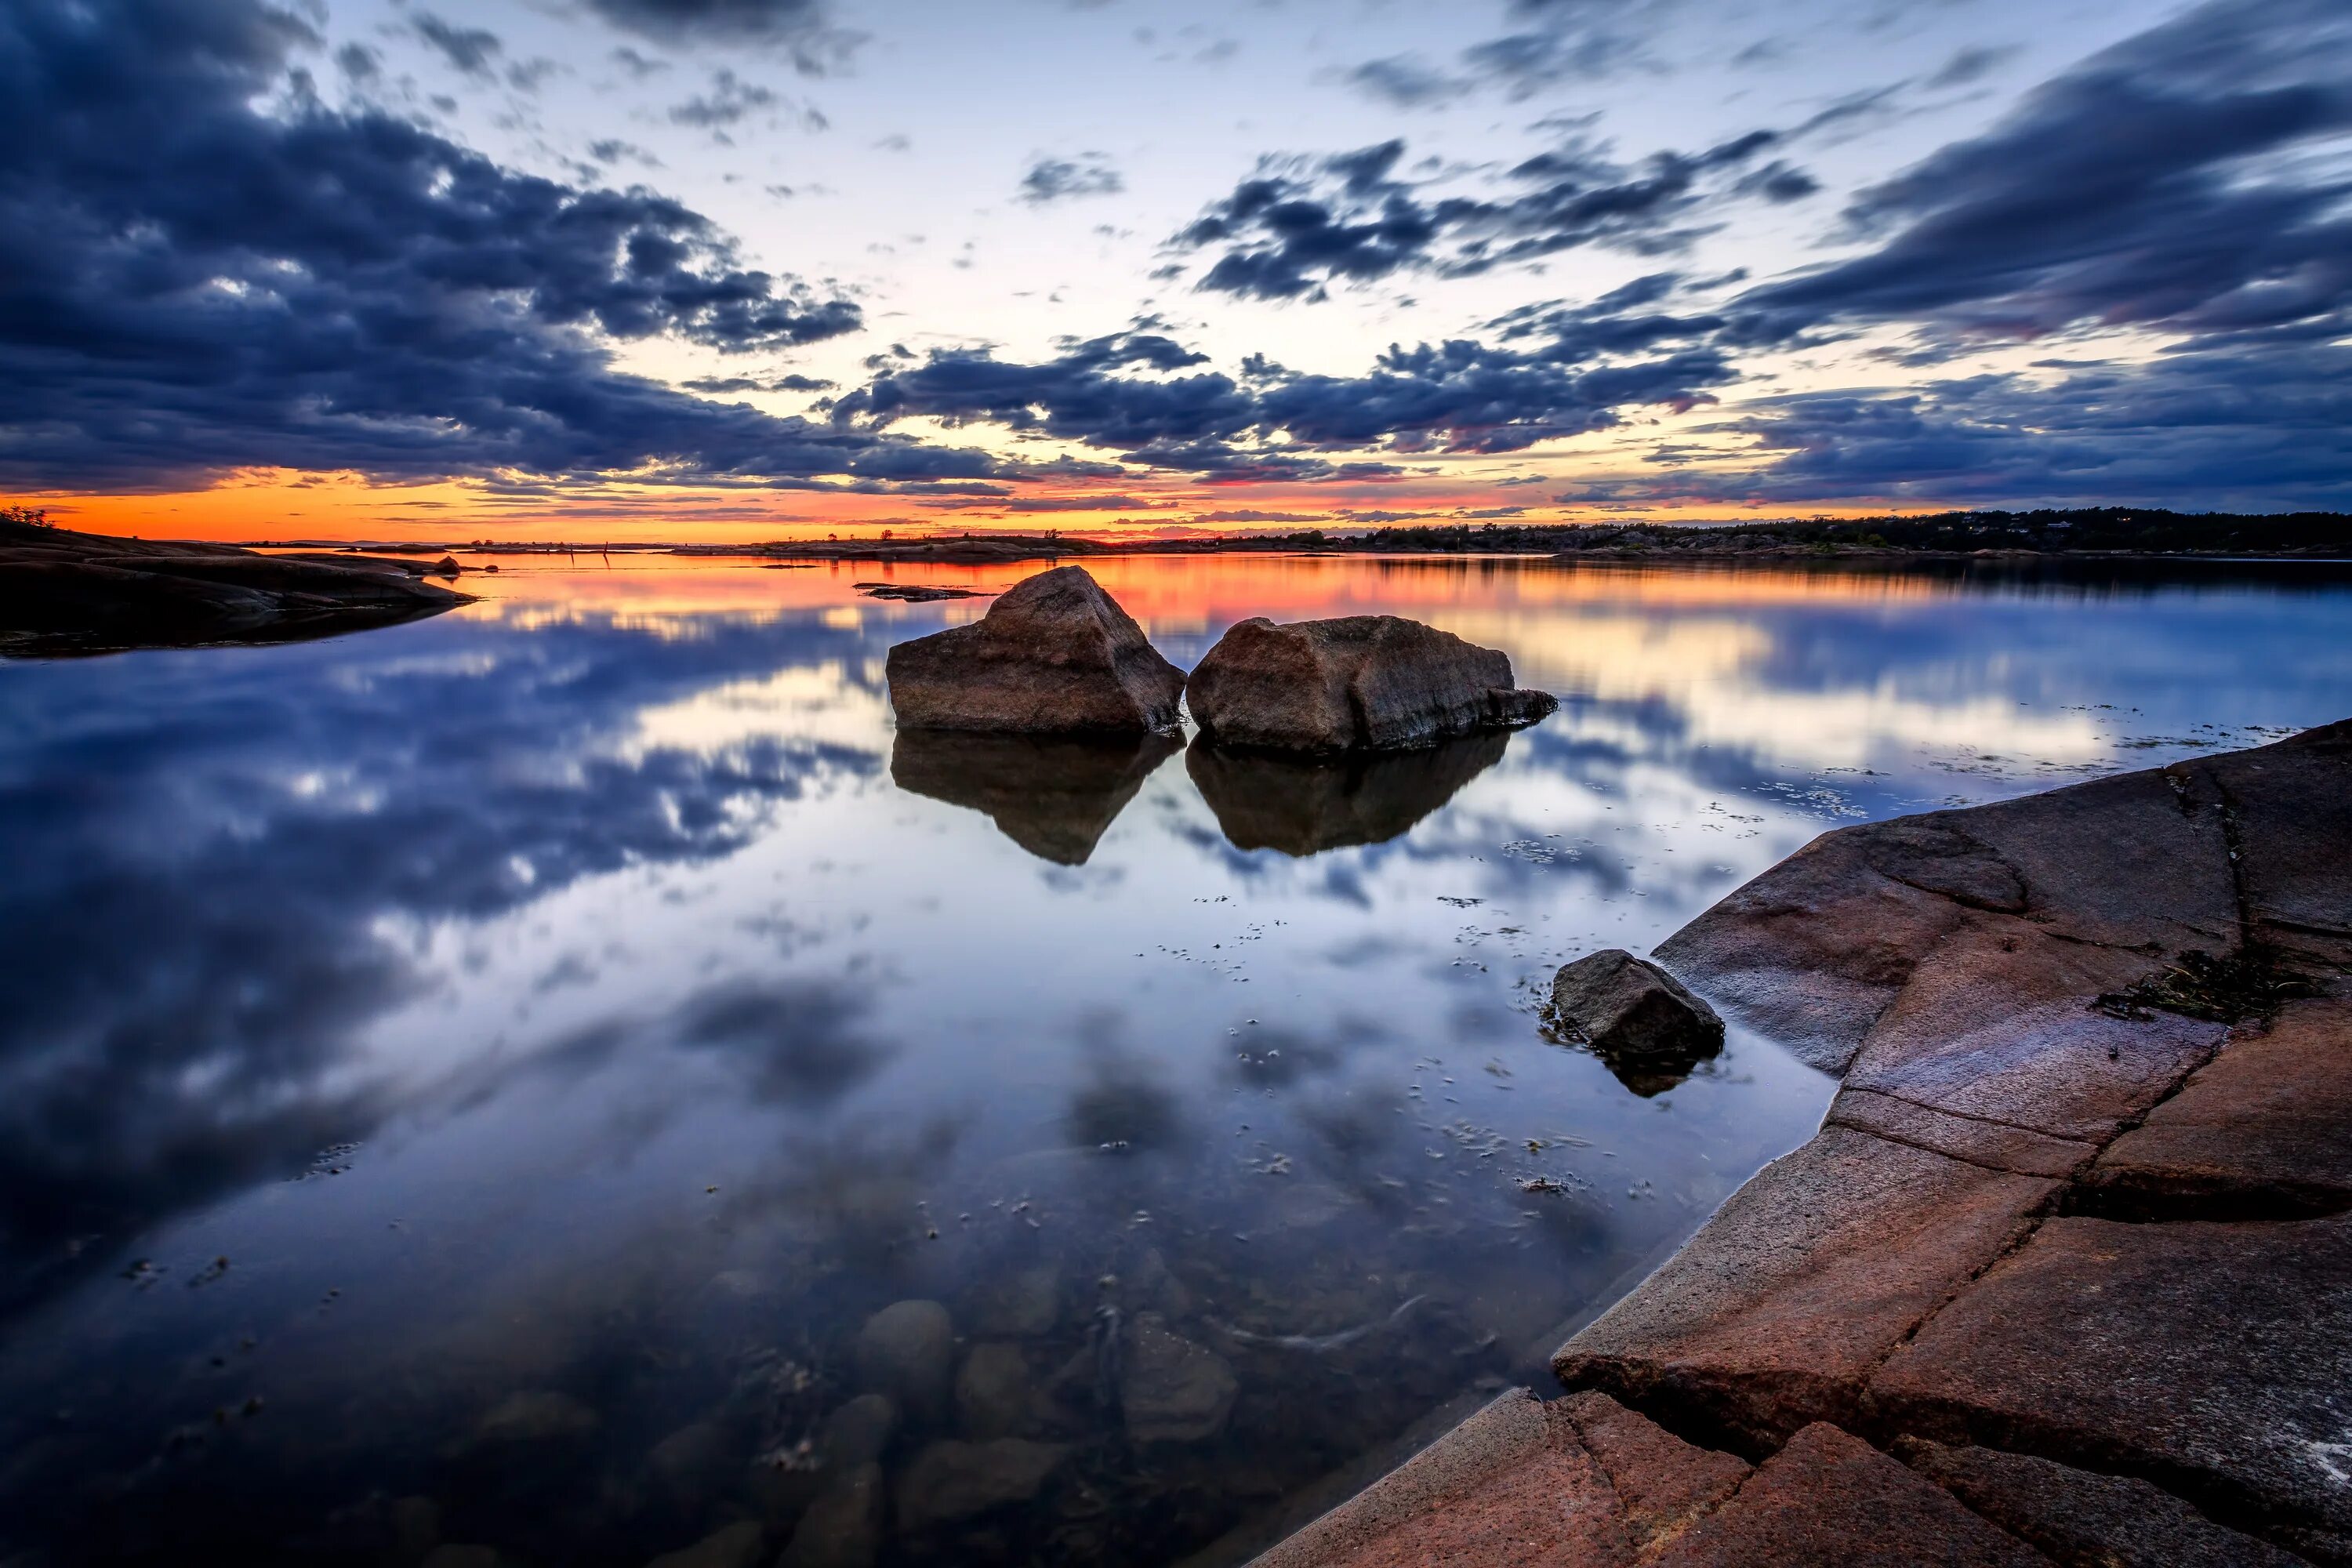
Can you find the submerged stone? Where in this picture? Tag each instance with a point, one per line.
(1054, 655)
(1174, 1391)
(1353, 683)
(908, 1351)
(843, 1528)
(949, 1481)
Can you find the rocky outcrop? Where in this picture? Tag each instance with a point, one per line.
(1356, 683)
(1304, 806)
(2066, 1276)
(62, 592)
(1053, 795)
(1053, 656)
(1634, 1016)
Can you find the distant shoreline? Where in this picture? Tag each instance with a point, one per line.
(2094, 534)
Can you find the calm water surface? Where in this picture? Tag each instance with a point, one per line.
(472, 1084)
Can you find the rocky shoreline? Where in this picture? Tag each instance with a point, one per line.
(67, 593)
(2066, 1274)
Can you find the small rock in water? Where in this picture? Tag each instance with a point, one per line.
(908, 1351)
(914, 592)
(1174, 1391)
(1634, 1015)
(955, 1480)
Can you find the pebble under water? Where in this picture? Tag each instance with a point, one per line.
(563, 1082)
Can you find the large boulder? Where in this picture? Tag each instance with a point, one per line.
(1053, 656)
(1356, 683)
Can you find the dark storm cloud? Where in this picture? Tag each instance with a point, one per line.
(801, 31)
(1124, 393)
(1086, 175)
(189, 284)
(2266, 428)
(2153, 185)
(1300, 225)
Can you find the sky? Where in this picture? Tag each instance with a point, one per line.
(742, 269)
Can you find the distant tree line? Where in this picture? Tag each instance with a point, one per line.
(2138, 529)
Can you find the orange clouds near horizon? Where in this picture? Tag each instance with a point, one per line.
(287, 506)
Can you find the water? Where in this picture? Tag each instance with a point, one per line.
(469, 1083)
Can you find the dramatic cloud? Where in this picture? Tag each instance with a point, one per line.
(1300, 225)
(727, 384)
(190, 285)
(2156, 185)
(1121, 393)
(1562, 40)
(473, 50)
(1087, 174)
(801, 31)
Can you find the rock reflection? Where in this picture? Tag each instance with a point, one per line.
(1054, 797)
(1647, 1072)
(1302, 807)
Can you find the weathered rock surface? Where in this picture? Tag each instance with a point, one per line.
(1054, 655)
(1634, 1016)
(2213, 1359)
(1661, 1483)
(1997, 1144)
(1354, 683)
(954, 1480)
(908, 1351)
(1828, 1497)
(1581, 1481)
(2084, 1518)
(1816, 951)
(2285, 809)
(62, 592)
(2264, 1130)
(1174, 1391)
(1303, 806)
(1053, 795)
(1778, 1310)
(2123, 1001)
